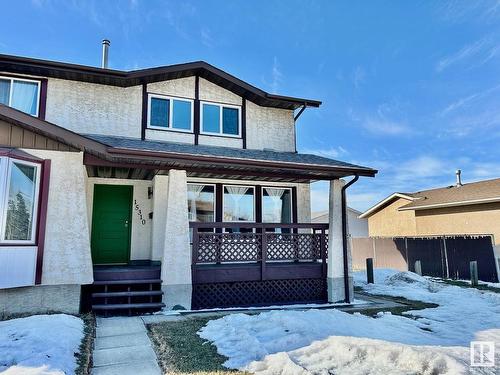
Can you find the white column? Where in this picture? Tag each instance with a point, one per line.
(160, 189)
(335, 276)
(176, 262)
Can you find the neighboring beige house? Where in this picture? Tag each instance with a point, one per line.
(176, 186)
(471, 208)
(356, 227)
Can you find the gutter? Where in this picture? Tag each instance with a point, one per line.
(344, 237)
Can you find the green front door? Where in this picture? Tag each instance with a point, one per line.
(111, 219)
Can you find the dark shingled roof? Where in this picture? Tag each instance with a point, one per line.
(226, 152)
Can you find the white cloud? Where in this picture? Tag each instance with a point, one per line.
(382, 127)
(276, 75)
(358, 76)
(332, 152)
(206, 37)
(478, 52)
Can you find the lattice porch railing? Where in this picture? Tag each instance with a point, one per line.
(254, 242)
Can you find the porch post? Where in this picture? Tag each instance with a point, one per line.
(335, 274)
(176, 261)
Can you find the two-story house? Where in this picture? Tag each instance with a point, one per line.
(176, 186)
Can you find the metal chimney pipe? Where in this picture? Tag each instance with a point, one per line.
(105, 50)
(458, 173)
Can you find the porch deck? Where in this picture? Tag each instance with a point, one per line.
(255, 264)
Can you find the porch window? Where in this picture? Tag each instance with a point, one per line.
(19, 188)
(20, 94)
(239, 203)
(168, 113)
(220, 119)
(201, 203)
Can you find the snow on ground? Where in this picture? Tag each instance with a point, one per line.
(40, 344)
(435, 340)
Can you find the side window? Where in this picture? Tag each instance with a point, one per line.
(19, 201)
(220, 119)
(20, 94)
(168, 113)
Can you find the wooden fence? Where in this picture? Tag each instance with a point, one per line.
(440, 256)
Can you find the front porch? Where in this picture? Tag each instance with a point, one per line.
(269, 264)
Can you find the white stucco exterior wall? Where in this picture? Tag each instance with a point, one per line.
(160, 196)
(303, 203)
(140, 237)
(67, 257)
(183, 87)
(270, 128)
(95, 109)
(211, 92)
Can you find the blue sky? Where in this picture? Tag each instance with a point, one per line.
(409, 88)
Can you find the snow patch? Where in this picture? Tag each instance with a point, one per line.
(40, 344)
(428, 341)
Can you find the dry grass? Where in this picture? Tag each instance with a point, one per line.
(181, 351)
(84, 357)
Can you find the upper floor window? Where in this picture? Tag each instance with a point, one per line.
(19, 187)
(168, 113)
(21, 94)
(220, 119)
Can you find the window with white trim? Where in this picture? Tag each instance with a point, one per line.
(22, 94)
(169, 113)
(19, 190)
(220, 119)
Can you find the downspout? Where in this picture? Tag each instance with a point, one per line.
(344, 237)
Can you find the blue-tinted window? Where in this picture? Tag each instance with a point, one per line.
(181, 115)
(230, 121)
(24, 96)
(159, 112)
(211, 118)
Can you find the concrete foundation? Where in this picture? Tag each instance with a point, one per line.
(40, 299)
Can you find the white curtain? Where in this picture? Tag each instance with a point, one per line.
(194, 192)
(275, 195)
(236, 193)
(24, 96)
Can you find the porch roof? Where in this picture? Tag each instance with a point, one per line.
(136, 158)
(203, 160)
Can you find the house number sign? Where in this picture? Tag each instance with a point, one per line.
(138, 210)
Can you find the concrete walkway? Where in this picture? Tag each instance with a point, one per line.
(122, 347)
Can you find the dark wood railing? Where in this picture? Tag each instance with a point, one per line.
(218, 243)
(252, 264)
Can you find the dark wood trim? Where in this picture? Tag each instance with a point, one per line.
(196, 109)
(239, 224)
(258, 203)
(244, 122)
(42, 218)
(219, 273)
(219, 197)
(255, 163)
(295, 218)
(144, 120)
(42, 105)
(74, 72)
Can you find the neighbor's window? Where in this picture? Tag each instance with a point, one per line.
(19, 211)
(170, 113)
(20, 94)
(220, 119)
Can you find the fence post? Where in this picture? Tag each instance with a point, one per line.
(418, 267)
(369, 270)
(263, 255)
(473, 273)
